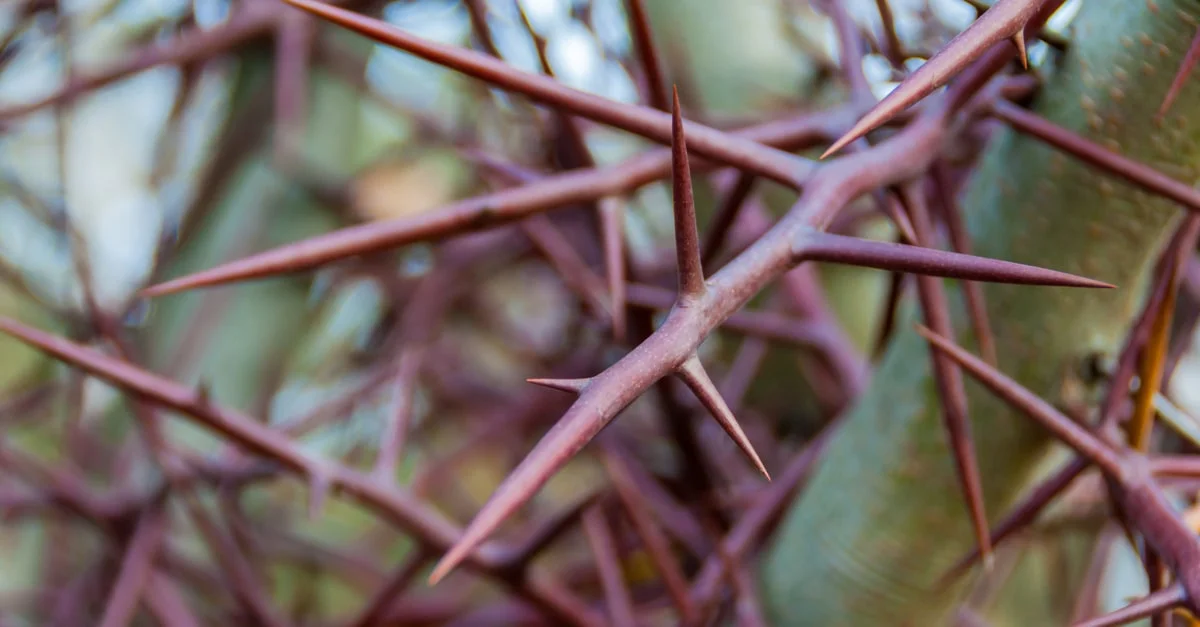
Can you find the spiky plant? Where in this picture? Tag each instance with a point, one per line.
(301, 448)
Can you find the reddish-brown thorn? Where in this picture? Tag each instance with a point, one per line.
(396, 429)
(488, 210)
(1161, 601)
(574, 386)
(1181, 76)
(1063, 428)
(747, 608)
(643, 42)
(960, 241)
(235, 566)
(655, 125)
(692, 372)
(897, 282)
(894, 49)
(817, 246)
(687, 240)
(1018, 40)
(399, 507)
(892, 209)
(1092, 585)
(850, 49)
(608, 566)
(547, 237)
(1002, 21)
(136, 568)
(576, 428)
(194, 44)
(1145, 176)
(1178, 466)
(948, 378)
(662, 504)
(1024, 513)
(653, 540)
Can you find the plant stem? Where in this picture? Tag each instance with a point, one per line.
(883, 519)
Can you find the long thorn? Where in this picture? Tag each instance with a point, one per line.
(692, 372)
(949, 380)
(574, 386)
(687, 240)
(818, 246)
(1018, 40)
(708, 142)
(1002, 21)
(1181, 76)
(1065, 429)
(1024, 513)
(643, 41)
(1161, 601)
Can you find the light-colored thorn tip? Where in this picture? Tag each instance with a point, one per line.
(575, 386)
(989, 561)
(1019, 40)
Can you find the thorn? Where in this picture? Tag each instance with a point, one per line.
(693, 374)
(999, 22)
(948, 378)
(960, 241)
(899, 218)
(1018, 39)
(575, 386)
(643, 41)
(590, 413)
(1024, 513)
(1089, 152)
(1155, 603)
(1020, 398)
(603, 544)
(828, 247)
(649, 123)
(658, 547)
(687, 240)
(1181, 76)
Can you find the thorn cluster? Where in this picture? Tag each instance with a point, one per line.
(901, 173)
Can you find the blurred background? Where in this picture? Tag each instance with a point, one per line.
(268, 130)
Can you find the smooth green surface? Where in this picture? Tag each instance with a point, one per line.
(883, 518)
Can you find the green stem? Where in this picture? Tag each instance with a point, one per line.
(883, 519)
